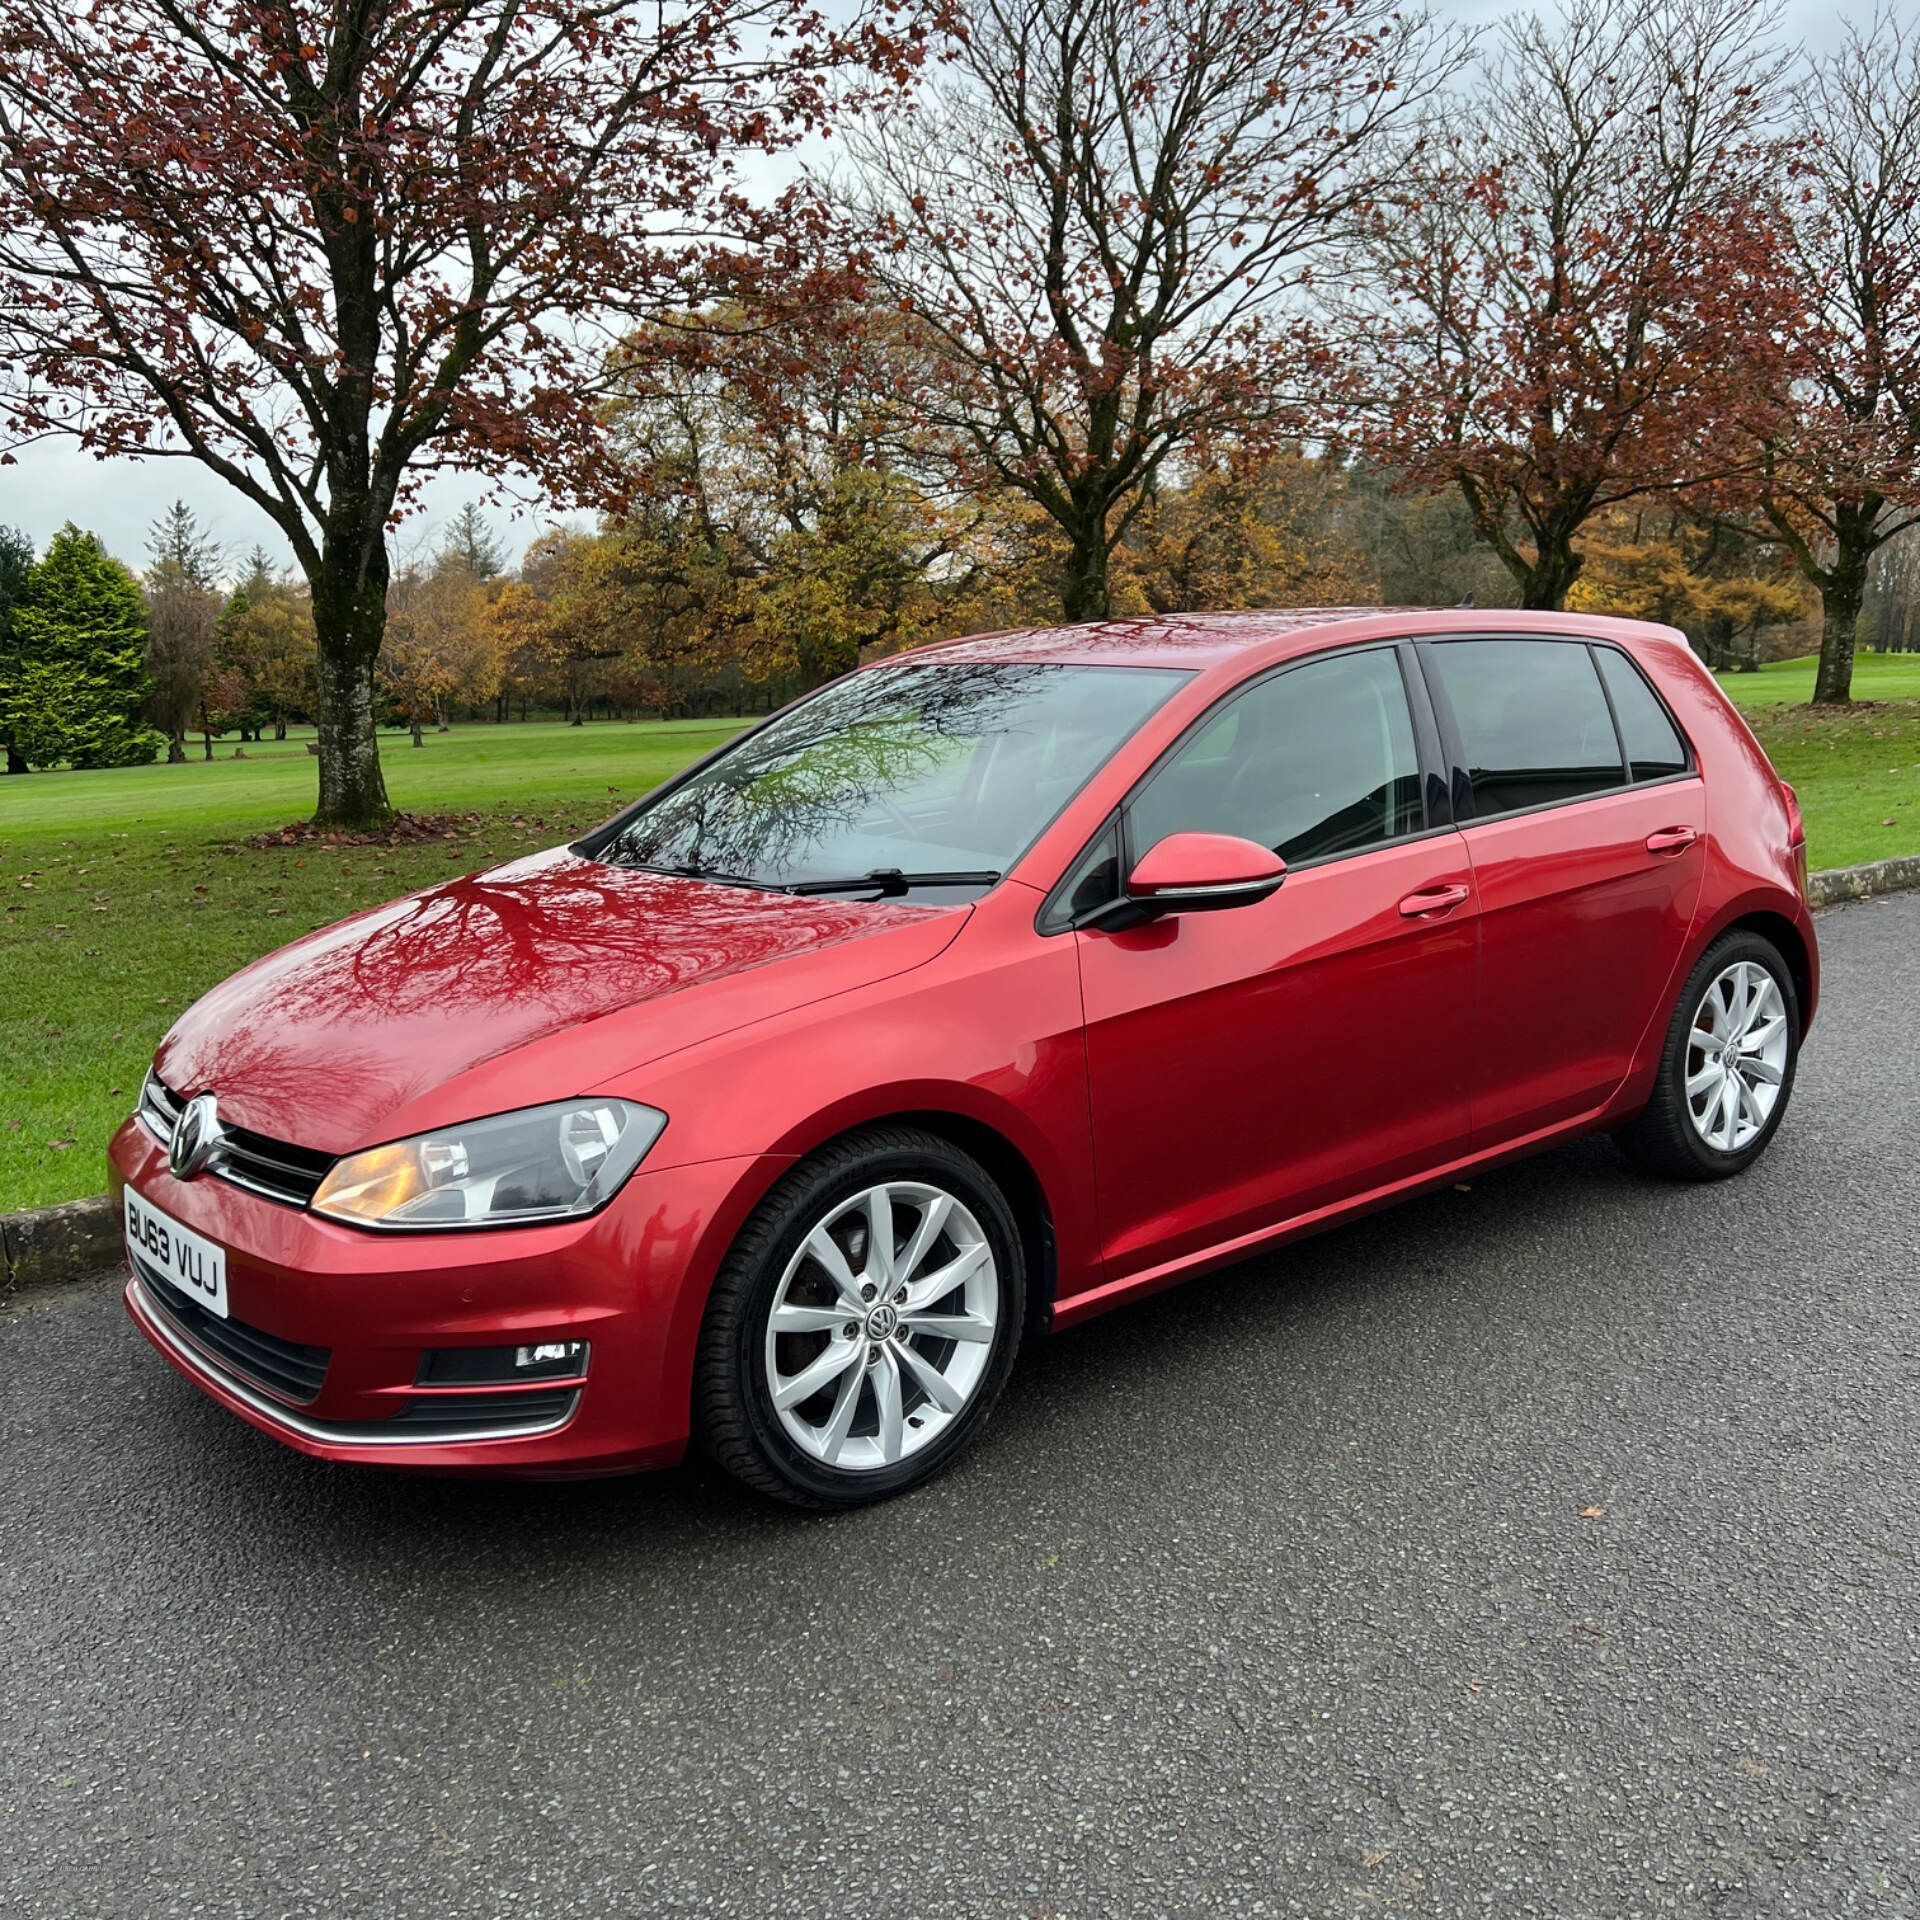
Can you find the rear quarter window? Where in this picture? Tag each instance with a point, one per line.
(1655, 750)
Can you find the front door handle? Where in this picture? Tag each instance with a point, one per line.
(1441, 899)
(1671, 840)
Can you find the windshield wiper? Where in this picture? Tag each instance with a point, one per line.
(891, 883)
(715, 874)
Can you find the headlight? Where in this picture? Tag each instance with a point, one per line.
(541, 1163)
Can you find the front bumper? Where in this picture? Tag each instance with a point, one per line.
(329, 1327)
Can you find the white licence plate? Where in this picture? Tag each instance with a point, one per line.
(190, 1260)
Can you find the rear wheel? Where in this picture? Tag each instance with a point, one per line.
(863, 1323)
(1726, 1071)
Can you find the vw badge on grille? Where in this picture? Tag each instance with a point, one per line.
(195, 1136)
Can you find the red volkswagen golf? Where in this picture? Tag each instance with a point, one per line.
(980, 991)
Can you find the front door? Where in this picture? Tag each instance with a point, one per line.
(1251, 1065)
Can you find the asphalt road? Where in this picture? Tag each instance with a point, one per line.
(1271, 1596)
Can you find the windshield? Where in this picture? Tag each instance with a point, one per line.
(912, 778)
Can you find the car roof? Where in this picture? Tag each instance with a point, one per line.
(1198, 640)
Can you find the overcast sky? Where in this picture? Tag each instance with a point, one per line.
(119, 499)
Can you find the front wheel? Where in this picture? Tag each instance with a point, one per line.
(1726, 1071)
(863, 1323)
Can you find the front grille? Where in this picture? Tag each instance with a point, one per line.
(274, 1169)
(284, 1368)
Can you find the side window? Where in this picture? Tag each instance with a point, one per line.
(1533, 721)
(1654, 747)
(1312, 762)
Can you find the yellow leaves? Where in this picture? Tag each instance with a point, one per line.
(1243, 536)
(1659, 566)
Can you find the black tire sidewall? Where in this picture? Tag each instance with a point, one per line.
(1728, 950)
(796, 1207)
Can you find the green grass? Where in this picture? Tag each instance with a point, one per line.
(129, 893)
(1856, 770)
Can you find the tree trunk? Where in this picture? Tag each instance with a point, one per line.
(1545, 583)
(1842, 589)
(280, 726)
(349, 622)
(1084, 594)
(177, 746)
(418, 740)
(14, 762)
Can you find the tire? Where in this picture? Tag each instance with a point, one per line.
(1714, 1133)
(896, 1398)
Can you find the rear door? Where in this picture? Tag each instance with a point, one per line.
(1253, 1064)
(1585, 822)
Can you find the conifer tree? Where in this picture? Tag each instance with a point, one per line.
(72, 684)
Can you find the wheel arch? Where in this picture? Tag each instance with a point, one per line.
(1781, 933)
(1015, 1176)
(973, 1134)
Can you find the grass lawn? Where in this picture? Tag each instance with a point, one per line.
(129, 893)
(1857, 771)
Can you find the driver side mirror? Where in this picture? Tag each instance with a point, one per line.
(1203, 872)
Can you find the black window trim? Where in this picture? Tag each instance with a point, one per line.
(1428, 751)
(1456, 753)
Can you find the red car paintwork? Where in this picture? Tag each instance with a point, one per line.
(1156, 1100)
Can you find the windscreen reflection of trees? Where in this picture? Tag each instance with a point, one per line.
(972, 757)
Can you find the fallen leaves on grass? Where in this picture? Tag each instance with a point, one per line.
(406, 829)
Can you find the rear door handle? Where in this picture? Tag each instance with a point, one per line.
(1442, 899)
(1671, 840)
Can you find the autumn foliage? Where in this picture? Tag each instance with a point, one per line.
(324, 249)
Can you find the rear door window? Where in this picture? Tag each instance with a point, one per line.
(1533, 720)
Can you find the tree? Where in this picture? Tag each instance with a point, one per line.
(322, 249)
(16, 562)
(76, 678)
(178, 540)
(784, 512)
(264, 656)
(182, 621)
(438, 645)
(1839, 475)
(1243, 534)
(1561, 311)
(1097, 219)
(1892, 613)
(182, 625)
(471, 544)
(1669, 567)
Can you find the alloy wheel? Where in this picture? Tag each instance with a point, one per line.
(882, 1327)
(1736, 1056)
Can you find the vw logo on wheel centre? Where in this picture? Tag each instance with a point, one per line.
(195, 1136)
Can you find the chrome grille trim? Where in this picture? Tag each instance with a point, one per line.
(370, 1434)
(274, 1169)
(292, 1373)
